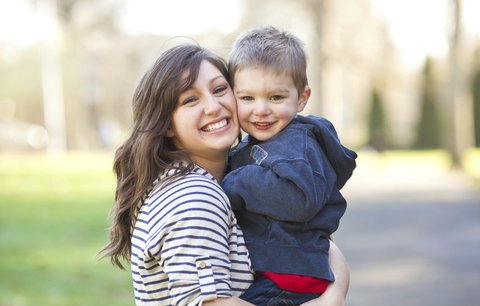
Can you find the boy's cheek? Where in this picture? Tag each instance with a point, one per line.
(242, 113)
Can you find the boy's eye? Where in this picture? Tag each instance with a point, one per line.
(276, 98)
(246, 98)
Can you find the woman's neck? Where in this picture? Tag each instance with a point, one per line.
(216, 167)
(218, 171)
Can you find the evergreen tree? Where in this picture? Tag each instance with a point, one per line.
(428, 128)
(476, 106)
(377, 133)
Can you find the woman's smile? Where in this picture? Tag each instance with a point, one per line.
(215, 126)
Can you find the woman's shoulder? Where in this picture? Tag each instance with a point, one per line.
(171, 178)
(195, 188)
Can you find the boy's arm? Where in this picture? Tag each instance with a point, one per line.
(336, 293)
(286, 191)
(288, 178)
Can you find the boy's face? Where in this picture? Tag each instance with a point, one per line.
(266, 101)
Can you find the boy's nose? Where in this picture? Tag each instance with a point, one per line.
(261, 108)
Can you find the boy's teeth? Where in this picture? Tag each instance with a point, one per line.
(215, 126)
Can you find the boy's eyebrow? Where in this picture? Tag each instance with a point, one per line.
(241, 91)
(278, 90)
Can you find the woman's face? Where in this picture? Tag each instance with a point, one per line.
(205, 123)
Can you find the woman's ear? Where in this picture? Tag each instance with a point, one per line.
(303, 98)
(170, 132)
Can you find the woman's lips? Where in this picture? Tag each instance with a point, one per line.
(215, 126)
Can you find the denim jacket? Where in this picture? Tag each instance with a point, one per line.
(286, 195)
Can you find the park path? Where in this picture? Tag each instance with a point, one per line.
(411, 235)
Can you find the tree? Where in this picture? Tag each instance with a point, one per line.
(429, 127)
(377, 129)
(476, 105)
(52, 82)
(453, 134)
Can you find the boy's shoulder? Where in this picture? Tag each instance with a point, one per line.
(312, 122)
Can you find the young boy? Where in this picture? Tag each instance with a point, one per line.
(286, 175)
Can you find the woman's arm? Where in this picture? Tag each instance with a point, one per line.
(336, 293)
(189, 229)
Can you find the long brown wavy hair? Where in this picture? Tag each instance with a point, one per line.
(148, 152)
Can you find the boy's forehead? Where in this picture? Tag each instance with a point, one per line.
(262, 79)
(264, 69)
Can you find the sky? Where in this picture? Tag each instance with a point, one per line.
(17, 15)
(417, 27)
(171, 18)
(421, 27)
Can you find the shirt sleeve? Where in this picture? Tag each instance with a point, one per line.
(192, 247)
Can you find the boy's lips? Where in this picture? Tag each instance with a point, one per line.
(263, 125)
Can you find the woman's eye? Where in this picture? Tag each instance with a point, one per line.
(219, 89)
(189, 100)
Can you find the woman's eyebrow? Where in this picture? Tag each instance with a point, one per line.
(193, 87)
(217, 77)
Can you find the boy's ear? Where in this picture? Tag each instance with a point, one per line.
(303, 98)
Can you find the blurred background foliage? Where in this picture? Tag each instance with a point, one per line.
(397, 78)
(68, 86)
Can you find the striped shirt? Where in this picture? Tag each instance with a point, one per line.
(186, 244)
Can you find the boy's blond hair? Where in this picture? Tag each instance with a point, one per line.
(270, 48)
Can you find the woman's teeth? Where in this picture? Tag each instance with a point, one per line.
(215, 126)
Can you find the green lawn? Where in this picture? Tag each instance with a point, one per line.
(471, 163)
(53, 221)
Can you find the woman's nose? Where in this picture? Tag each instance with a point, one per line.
(212, 105)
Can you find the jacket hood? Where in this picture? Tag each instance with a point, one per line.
(341, 158)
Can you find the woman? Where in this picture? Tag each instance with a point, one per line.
(171, 219)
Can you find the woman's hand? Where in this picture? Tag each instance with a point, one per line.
(336, 292)
(328, 298)
(233, 301)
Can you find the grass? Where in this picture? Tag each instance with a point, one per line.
(53, 221)
(471, 163)
(399, 162)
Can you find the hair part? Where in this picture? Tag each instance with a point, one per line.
(272, 49)
(148, 152)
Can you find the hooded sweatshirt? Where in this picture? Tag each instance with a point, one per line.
(286, 195)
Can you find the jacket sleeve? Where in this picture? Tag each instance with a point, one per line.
(288, 190)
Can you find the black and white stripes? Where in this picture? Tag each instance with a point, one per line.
(186, 244)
